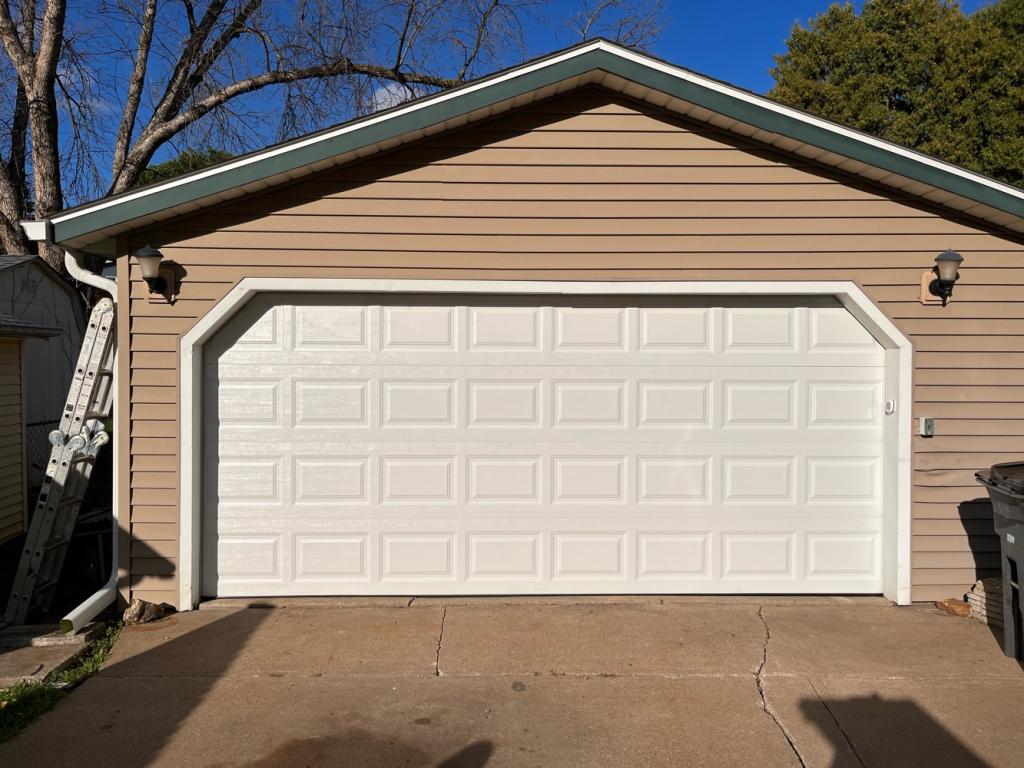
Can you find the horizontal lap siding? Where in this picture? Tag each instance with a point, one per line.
(12, 437)
(593, 187)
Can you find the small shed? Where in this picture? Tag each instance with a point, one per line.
(15, 335)
(32, 291)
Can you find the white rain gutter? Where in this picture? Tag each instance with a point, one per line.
(90, 608)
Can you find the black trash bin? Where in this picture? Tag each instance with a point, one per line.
(1005, 484)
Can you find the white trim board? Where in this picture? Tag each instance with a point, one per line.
(899, 372)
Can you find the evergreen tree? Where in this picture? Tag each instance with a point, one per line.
(186, 162)
(917, 72)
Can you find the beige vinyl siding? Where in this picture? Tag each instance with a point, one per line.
(591, 186)
(13, 517)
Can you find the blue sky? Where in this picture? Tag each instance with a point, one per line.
(733, 41)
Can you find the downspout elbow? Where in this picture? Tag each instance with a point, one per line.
(74, 262)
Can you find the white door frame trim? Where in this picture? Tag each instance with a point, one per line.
(899, 371)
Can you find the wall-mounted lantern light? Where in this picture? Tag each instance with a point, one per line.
(937, 284)
(159, 276)
(947, 272)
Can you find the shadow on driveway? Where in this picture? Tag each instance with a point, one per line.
(873, 731)
(130, 712)
(359, 748)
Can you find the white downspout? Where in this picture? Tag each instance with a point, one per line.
(90, 608)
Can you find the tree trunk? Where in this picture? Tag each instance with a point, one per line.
(12, 239)
(49, 198)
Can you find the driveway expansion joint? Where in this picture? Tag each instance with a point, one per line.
(759, 678)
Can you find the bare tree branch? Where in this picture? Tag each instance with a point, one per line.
(51, 37)
(175, 75)
(135, 85)
(472, 54)
(400, 48)
(155, 136)
(635, 23)
(198, 33)
(20, 58)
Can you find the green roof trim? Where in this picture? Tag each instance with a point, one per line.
(849, 146)
(431, 110)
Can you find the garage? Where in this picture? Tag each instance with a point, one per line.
(594, 324)
(421, 444)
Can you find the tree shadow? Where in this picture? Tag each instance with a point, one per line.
(356, 747)
(152, 688)
(189, 666)
(871, 730)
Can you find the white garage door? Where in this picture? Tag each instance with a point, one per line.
(362, 444)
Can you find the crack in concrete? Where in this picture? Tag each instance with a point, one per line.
(763, 692)
(440, 639)
(846, 736)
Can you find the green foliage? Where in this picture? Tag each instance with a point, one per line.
(919, 73)
(89, 663)
(24, 702)
(188, 161)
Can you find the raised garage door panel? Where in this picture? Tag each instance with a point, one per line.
(361, 444)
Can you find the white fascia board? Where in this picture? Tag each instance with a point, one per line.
(36, 231)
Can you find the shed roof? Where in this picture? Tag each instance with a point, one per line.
(91, 227)
(13, 261)
(16, 327)
(9, 262)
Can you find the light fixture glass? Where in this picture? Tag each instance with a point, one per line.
(947, 265)
(149, 259)
(947, 272)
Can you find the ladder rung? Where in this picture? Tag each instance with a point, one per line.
(46, 583)
(51, 545)
(70, 502)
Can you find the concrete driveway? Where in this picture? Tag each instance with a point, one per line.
(535, 682)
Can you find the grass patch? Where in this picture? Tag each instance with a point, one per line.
(22, 703)
(89, 662)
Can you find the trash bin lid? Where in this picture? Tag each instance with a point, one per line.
(1009, 475)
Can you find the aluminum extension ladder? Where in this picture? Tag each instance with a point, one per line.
(76, 444)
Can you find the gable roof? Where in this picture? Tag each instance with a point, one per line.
(92, 226)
